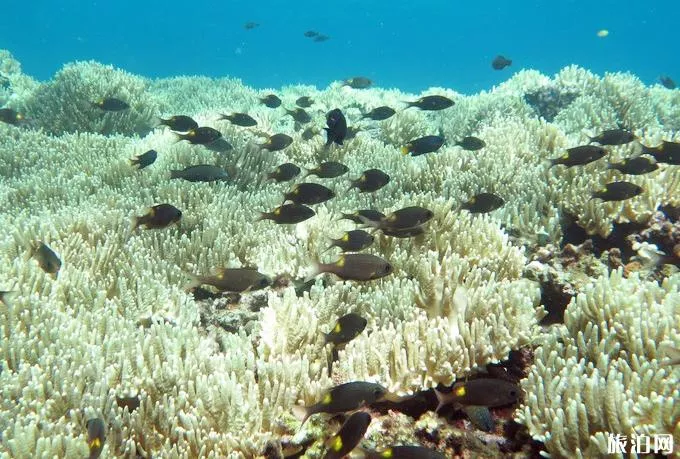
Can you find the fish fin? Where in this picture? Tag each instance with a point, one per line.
(301, 413)
(6, 297)
(481, 417)
(135, 223)
(194, 282)
(441, 400)
(175, 174)
(318, 269)
(263, 216)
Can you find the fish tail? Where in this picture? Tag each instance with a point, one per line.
(194, 281)
(136, 222)
(134, 161)
(6, 297)
(318, 268)
(441, 400)
(175, 174)
(264, 216)
(301, 413)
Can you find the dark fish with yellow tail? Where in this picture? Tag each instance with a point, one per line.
(371, 180)
(403, 219)
(200, 173)
(9, 116)
(158, 217)
(343, 398)
(288, 214)
(239, 119)
(500, 62)
(349, 436)
(353, 241)
(364, 216)
(635, 166)
(304, 102)
(483, 203)
(200, 136)
(356, 266)
(667, 152)
(346, 328)
(471, 143)
(233, 280)
(423, 145)
(337, 127)
(475, 397)
(358, 82)
(614, 137)
(667, 82)
(111, 104)
(181, 123)
(271, 101)
(404, 452)
(618, 191)
(328, 169)
(277, 142)
(309, 193)
(431, 103)
(579, 156)
(284, 172)
(380, 113)
(96, 436)
(46, 258)
(299, 115)
(144, 160)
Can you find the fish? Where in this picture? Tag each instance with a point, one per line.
(380, 113)
(431, 103)
(470, 143)
(304, 102)
(346, 328)
(618, 191)
(158, 217)
(111, 104)
(309, 193)
(321, 38)
(328, 169)
(353, 241)
(144, 160)
(371, 180)
(358, 82)
(200, 173)
(200, 136)
(355, 266)
(343, 398)
(403, 219)
(403, 452)
(284, 172)
(364, 215)
(423, 145)
(667, 82)
(277, 142)
(9, 116)
(220, 145)
(311, 33)
(500, 62)
(476, 396)
(271, 101)
(180, 123)
(667, 152)
(671, 354)
(232, 280)
(96, 436)
(635, 166)
(404, 233)
(349, 436)
(46, 258)
(483, 203)
(129, 402)
(299, 115)
(614, 137)
(288, 214)
(250, 25)
(579, 156)
(239, 119)
(337, 127)
(603, 33)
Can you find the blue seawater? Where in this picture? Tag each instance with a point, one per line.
(411, 45)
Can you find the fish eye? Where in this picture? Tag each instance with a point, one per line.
(388, 268)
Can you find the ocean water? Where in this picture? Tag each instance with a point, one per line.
(406, 44)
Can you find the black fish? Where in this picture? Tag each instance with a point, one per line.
(239, 119)
(309, 193)
(667, 152)
(356, 266)
(311, 34)
(271, 101)
(337, 127)
(111, 104)
(46, 258)
(404, 452)
(9, 116)
(346, 329)
(423, 145)
(635, 166)
(667, 82)
(403, 219)
(159, 216)
(361, 216)
(579, 156)
(319, 38)
(304, 102)
(200, 136)
(471, 143)
(349, 436)
(380, 113)
(614, 137)
(144, 160)
(277, 142)
(200, 173)
(404, 233)
(299, 115)
(96, 436)
(284, 172)
(353, 241)
(431, 103)
(343, 398)
(220, 145)
(371, 180)
(129, 402)
(288, 214)
(250, 25)
(358, 82)
(329, 169)
(180, 123)
(232, 280)
(483, 203)
(618, 191)
(500, 62)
